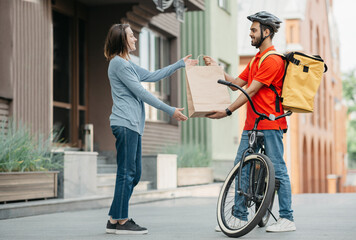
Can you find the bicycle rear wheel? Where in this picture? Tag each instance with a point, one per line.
(237, 214)
(266, 217)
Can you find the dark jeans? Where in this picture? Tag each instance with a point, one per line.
(128, 147)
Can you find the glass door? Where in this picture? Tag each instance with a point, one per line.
(69, 77)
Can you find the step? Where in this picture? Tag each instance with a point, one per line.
(102, 160)
(106, 168)
(106, 178)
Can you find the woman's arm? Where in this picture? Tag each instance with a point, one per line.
(129, 79)
(147, 76)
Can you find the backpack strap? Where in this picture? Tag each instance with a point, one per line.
(270, 86)
(277, 97)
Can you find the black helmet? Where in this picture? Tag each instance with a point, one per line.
(266, 18)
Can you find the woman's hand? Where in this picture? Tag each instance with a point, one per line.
(190, 62)
(177, 115)
(209, 61)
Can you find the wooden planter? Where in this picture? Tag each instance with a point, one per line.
(27, 185)
(194, 176)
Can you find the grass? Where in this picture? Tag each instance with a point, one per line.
(189, 155)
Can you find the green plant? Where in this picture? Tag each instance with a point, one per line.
(21, 151)
(349, 92)
(189, 155)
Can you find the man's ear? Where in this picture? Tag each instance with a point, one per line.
(266, 32)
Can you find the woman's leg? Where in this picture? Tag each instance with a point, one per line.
(127, 144)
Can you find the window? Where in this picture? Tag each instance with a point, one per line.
(154, 54)
(223, 4)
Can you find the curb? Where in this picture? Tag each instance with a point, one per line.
(33, 208)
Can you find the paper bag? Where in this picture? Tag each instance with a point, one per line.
(204, 94)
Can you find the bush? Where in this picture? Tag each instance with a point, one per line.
(190, 155)
(22, 152)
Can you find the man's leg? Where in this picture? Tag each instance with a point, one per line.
(240, 210)
(275, 151)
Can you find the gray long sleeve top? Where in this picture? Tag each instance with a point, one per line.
(129, 95)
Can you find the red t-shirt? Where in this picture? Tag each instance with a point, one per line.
(270, 72)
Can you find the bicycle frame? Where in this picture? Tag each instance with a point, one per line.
(254, 135)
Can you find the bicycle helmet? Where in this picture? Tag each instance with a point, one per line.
(267, 19)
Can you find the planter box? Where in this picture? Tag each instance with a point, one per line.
(78, 177)
(27, 185)
(195, 176)
(160, 170)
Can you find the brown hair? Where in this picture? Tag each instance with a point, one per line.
(116, 42)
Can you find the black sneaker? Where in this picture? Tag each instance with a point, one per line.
(111, 228)
(130, 227)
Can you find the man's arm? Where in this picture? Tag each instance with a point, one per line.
(237, 81)
(241, 100)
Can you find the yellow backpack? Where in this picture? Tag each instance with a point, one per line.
(301, 80)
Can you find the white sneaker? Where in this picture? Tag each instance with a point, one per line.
(238, 224)
(282, 225)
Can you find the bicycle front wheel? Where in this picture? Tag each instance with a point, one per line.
(237, 213)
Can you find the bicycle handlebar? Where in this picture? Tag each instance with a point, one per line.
(271, 117)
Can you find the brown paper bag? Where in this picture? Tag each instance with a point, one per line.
(204, 94)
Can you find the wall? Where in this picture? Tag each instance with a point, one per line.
(222, 41)
(193, 30)
(321, 145)
(31, 63)
(6, 39)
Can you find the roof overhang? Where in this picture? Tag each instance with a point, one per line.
(190, 5)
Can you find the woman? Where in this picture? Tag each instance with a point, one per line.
(127, 119)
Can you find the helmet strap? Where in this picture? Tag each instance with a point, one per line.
(262, 38)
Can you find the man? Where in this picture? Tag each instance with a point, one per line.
(258, 80)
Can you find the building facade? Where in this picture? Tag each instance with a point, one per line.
(54, 74)
(213, 32)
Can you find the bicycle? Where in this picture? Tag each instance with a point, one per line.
(251, 183)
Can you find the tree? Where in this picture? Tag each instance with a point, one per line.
(349, 92)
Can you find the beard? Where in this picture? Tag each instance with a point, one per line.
(255, 42)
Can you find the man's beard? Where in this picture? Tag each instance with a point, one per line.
(255, 42)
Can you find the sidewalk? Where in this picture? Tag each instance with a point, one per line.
(32, 208)
(317, 217)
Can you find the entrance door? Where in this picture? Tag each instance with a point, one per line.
(69, 72)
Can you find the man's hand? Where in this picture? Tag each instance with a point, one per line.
(210, 61)
(216, 114)
(190, 62)
(177, 115)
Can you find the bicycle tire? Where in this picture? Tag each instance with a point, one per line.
(267, 215)
(224, 198)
